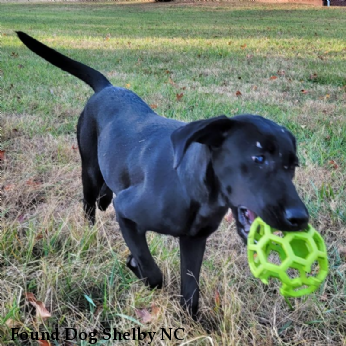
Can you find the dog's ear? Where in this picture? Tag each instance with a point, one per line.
(210, 132)
(294, 141)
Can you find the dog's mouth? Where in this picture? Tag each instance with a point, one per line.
(245, 220)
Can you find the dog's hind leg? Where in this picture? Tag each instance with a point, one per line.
(92, 178)
(140, 260)
(92, 182)
(191, 256)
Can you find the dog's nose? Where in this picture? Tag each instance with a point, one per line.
(297, 217)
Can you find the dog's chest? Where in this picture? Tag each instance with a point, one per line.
(203, 220)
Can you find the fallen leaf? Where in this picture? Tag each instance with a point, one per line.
(32, 182)
(144, 315)
(217, 298)
(169, 72)
(128, 85)
(333, 164)
(20, 66)
(44, 343)
(303, 91)
(74, 147)
(243, 46)
(313, 76)
(2, 155)
(39, 236)
(238, 93)
(14, 55)
(254, 87)
(99, 310)
(153, 106)
(327, 96)
(273, 77)
(281, 72)
(171, 82)
(30, 297)
(10, 323)
(155, 311)
(41, 310)
(8, 187)
(229, 43)
(179, 96)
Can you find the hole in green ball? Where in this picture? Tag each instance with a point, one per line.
(300, 248)
(278, 234)
(274, 257)
(315, 269)
(256, 260)
(293, 273)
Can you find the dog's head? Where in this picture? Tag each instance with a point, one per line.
(254, 161)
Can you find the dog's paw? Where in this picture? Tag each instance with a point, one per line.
(131, 262)
(154, 281)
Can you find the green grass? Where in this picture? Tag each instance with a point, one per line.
(207, 52)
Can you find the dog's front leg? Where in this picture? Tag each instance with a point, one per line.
(191, 256)
(140, 261)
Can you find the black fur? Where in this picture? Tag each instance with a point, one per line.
(176, 178)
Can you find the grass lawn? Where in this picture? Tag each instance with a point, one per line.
(188, 61)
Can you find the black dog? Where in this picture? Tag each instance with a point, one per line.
(176, 178)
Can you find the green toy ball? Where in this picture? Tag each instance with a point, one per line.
(298, 259)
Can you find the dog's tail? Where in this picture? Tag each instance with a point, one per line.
(87, 74)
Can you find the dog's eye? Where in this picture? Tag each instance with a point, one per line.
(258, 159)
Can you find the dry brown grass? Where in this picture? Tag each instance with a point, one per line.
(42, 199)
